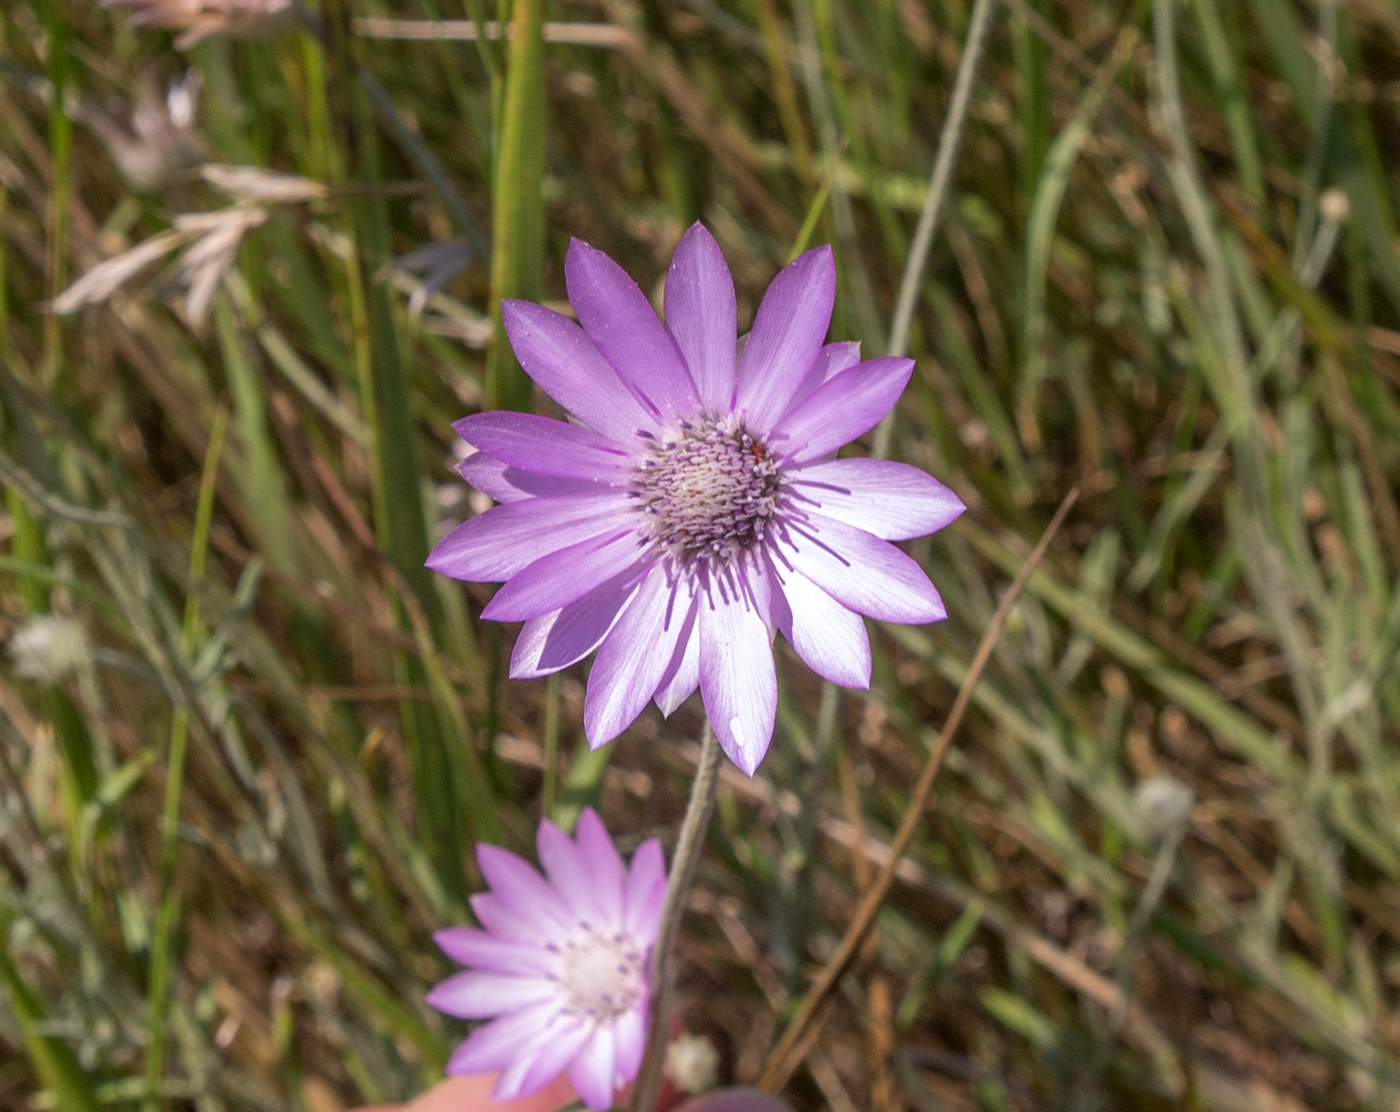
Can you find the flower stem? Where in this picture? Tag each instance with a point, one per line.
(687, 856)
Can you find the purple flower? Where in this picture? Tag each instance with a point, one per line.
(559, 966)
(697, 505)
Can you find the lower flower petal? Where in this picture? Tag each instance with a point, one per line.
(737, 678)
(602, 866)
(830, 639)
(494, 1046)
(682, 674)
(863, 573)
(593, 1071)
(630, 1031)
(478, 995)
(519, 886)
(557, 1053)
(635, 655)
(554, 641)
(484, 950)
(565, 576)
(645, 893)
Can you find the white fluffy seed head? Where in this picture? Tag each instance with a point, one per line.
(709, 488)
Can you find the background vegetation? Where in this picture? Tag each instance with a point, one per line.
(246, 742)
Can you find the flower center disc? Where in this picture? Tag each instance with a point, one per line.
(710, 488)
(601, 976)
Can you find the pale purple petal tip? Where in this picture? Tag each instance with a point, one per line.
(700, 315)
(622, 325)
(788, 332)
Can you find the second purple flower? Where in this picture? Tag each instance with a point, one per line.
(697, 506)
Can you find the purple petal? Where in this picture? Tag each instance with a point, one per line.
(553, 1058)
(497, 1044)
(700, 315)
(566, 869)
(892, 501)
(563, 637)
(507, 539)
(836, 413)
(634, 656)
(519, 886)
(629, 1030)
(787, 335)
(477, 995)
(510, 484)
(830, 639)
(737, 678)
(498, 919)
(682, 674)
(546, 446)
(620, 322)
(646, 892)
(592, 1072)
(557, 354)
(863, 573)
(601, 865)
(562, 577)
(497, 955)
(830, 362)
(835, 358)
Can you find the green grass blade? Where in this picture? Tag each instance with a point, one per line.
(517, 219)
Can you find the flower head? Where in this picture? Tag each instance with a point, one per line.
(559, 966)
(697, 505)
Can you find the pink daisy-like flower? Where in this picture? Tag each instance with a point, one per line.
(697, 505)
(560, 966)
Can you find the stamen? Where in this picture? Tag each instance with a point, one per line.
(601, 977)
(709, 488)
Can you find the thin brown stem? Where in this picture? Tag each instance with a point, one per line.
(784, 1057)
(687, 856)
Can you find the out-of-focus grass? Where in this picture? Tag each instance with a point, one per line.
(1162, 869)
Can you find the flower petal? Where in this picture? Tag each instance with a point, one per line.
(510, 484)
(830, 362)
(787, 335)
(837, 412)
(520, 886)
(499, 920)
(700, 315)
(558, 355)
(567, 870)
(509, 538)
(565, 636)
(562, 577)
(546, 446)
(737, 678)
(621, 323)
(482, 950)
(892, 501)
(592, 1072)
(553, 1057)
(863, 573)
(645, 893)
(602, 866)
(494, 1045)
(830, 639)
(478, 995)
(634, 656)
(682, 674)
(630, 1032)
